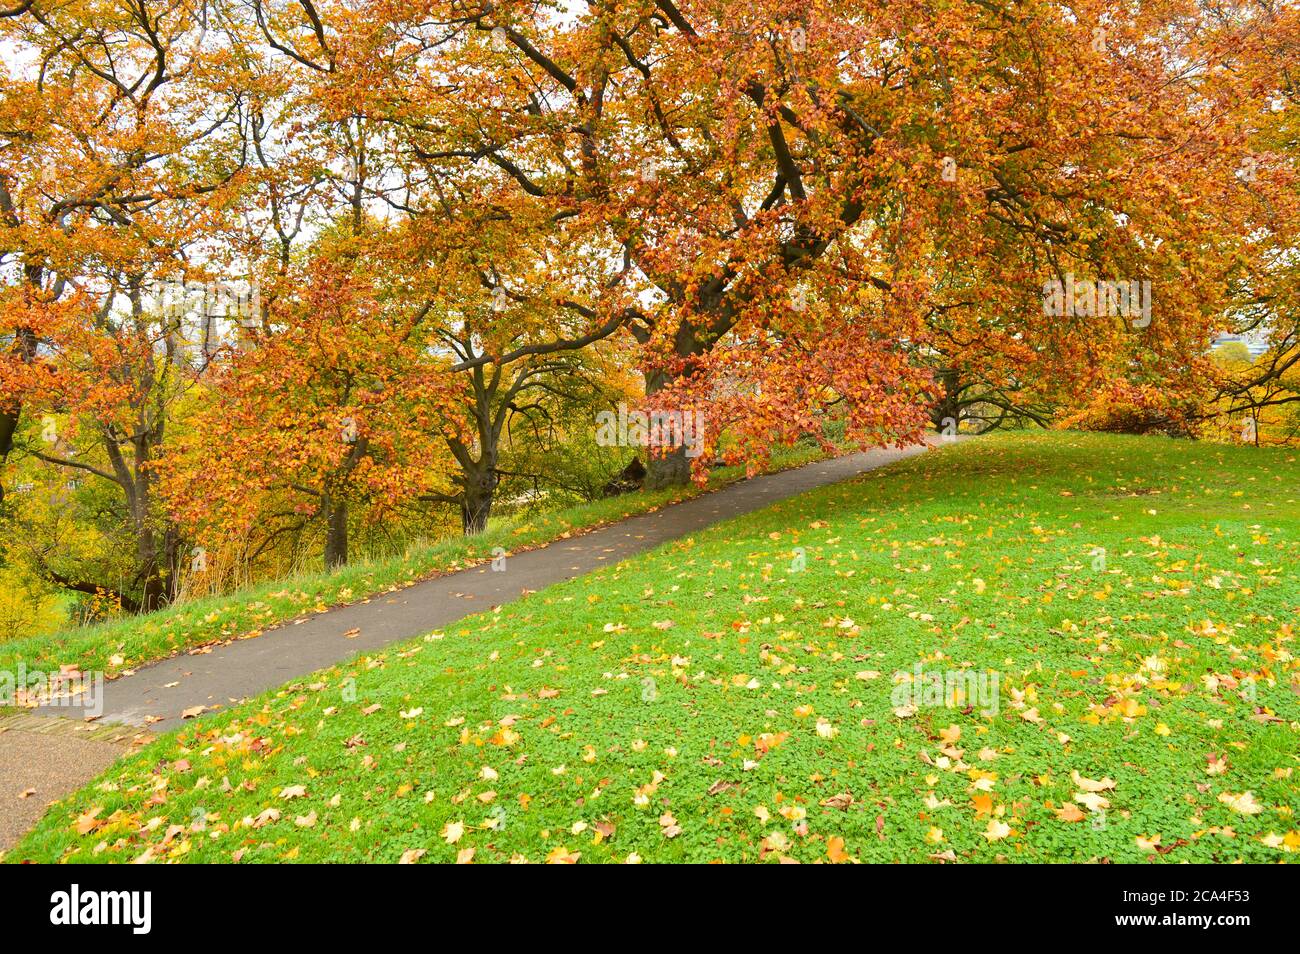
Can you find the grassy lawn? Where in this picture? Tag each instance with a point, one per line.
(713, 700)
(119, 646)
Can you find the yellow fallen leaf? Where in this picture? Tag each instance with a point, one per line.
(1243, 804)
(1088, 785)
(1148, 844)
(996, 830)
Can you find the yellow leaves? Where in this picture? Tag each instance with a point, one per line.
(668, 826)
(1031, 715)
(1243, 804)
(1148, 844)
(562, 855)
(87, 821)
(293, 791)
(1092, 801)
(465, 856)
(1089, 785)
(452, 832)
(1288, 843)
(1130, 708)
(996, 830)
(934, 836)
(776, 841)
(641, 797)
(983, 804)
(505, 736)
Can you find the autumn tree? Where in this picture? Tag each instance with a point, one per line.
(779, 191)
(118, 150)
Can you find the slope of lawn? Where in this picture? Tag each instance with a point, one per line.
(119, 646)
(712, 700)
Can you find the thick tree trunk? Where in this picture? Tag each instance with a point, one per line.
(947, 411)
(672, 469)
(476, 503)
(336, 536)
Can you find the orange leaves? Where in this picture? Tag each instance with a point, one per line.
(340, 405)
(835, 852)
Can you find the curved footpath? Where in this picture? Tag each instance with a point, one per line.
(48, 752)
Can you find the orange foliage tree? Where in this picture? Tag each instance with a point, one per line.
(119, 148)
(794, 204)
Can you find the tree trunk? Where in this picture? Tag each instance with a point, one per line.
(153, 594)
(476, 503)
(336, 536)
(8, 424)
(947, 411)
(672, 469)
(25, 348)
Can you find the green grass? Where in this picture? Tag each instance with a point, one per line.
(121, 645)
(576, 721)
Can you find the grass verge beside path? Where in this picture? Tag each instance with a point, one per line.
(122, 645)
(736, 695)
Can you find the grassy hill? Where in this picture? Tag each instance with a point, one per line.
(1112, 621)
